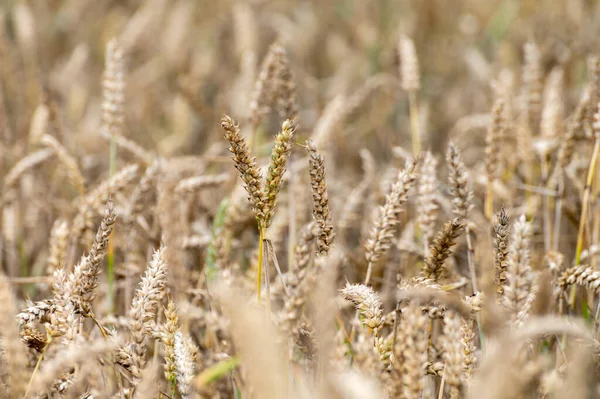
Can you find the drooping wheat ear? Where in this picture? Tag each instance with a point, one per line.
(411, 351)
(246, 165)
(67, 161)
(13, 351)
(113, 84)
(367, 302)
(384, 229)
(264, 90)
(24, 165)
(185, 363)
(58, 246)
(453, 353)
(280, 155)
(321, 211)
(427, 206)
(519, 277)
(532, 85)
(287, 104)
(91, 204)
(409, 71)
(582, 275)
(194, 184)
(84, 278)
(458, 179)
(145, 191)
(501, 232)
(130, 146)
(143, 309)
(441, 248)
(553, 110)
(494, 134)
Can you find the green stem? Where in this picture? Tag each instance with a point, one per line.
(584, 212)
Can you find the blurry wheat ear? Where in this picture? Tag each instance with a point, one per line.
(264, 89)
(495, 131)
(411, 83)
(532, 84)
(113, 117)
(321, 211)
(250, 175)
(519, 277)
(427, 207)
(382, 233)
(58, 246)
(113, 105)
(462, 195)
(13, 352)
(84, 278)
(287, 104)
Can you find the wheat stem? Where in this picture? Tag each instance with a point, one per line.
(262, 232)
(414, 122)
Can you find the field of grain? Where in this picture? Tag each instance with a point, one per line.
(355, 199)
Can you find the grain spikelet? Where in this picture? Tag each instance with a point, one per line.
(427, 206)
(501, 231)
(246, 165)
(384, 229)
(440, 249)
(321, 211)
(279, 159)
(367, 302)
(519, 286)
(409, 72)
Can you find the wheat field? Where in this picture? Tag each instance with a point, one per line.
(300, 199)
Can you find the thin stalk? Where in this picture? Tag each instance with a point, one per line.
(110, 256)
(489, 200)
(584, 212)
(441, 393)
(414, 122)
(369, 271)
(470, 252)
(37, 365)
(292, 220)
(546, 207)
(262, 233)
(558, 213)
(470, 256)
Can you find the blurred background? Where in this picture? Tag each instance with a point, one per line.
(190, 61)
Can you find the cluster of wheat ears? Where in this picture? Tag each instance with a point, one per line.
(318, 243)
